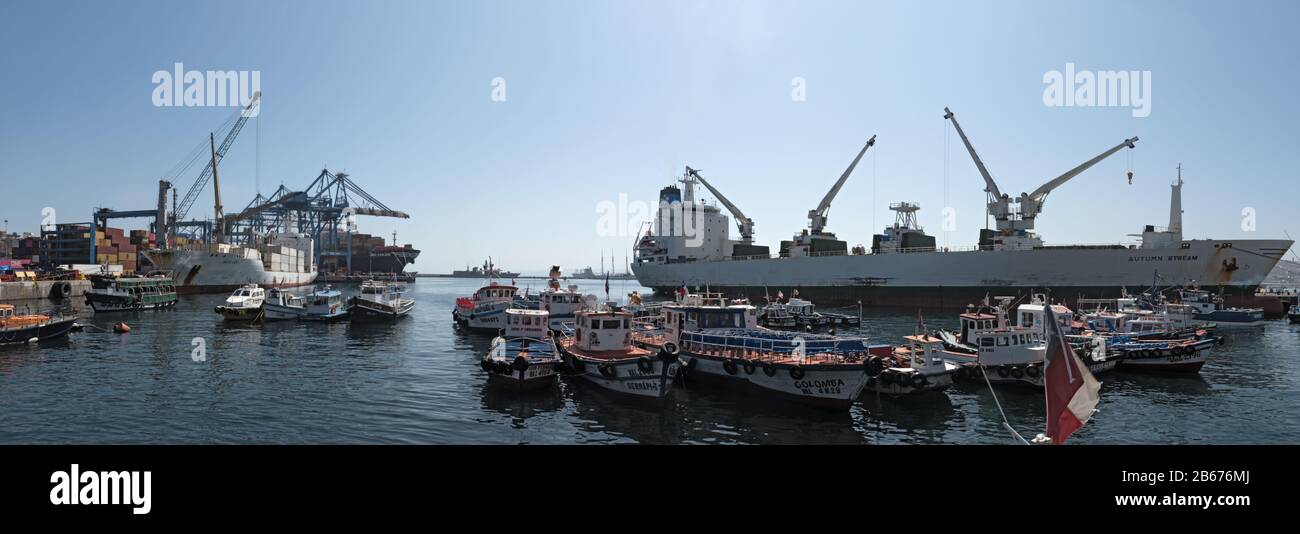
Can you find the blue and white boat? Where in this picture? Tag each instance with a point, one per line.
(525, 358)
(1207, 307)
(322, 304)
(720, 343)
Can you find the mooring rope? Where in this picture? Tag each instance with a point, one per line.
(1005, 422)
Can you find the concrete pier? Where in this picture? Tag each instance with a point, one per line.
(44, 289)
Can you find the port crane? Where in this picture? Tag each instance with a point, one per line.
(815, 239)
(317, 211)
(817, 217)
(1014, 226)
(745, 224)
(181, 210)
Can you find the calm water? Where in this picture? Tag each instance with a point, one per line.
(417, 381)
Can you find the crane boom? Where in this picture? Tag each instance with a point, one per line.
(817, 217)
(989, 185)
(193, 194)
(1039, 194)
(745, 224)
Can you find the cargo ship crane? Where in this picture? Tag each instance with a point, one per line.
(745, 224)
(1015, 226)
(999, 203)
(202, 181)
(1032, 204)
(817, 217)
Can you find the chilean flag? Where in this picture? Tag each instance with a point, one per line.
(1070, 388)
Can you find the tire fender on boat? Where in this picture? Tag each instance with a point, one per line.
(919, 380)
(520, 363)
(1003, 372)
(769, 369)
(796, 372)
(486, 364)
(874, 366)
(666, 357)
(749, 365)
(1032, 371)
(1017, 372)
(607, 370)
(644, 364)
(729, 365)
(672, 348)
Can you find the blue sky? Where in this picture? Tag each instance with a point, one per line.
(609, 97)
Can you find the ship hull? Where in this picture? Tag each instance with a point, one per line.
(955, 279)
(196, 271)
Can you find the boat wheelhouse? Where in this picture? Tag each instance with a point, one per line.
(485, 310)
(380, 301)
(601, 352)
(113, 293)
(245, 304)
(525, 357)
(281, 305)
(563, 304)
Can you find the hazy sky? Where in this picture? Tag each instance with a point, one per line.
(610, 97)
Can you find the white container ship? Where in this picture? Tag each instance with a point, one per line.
(905, 268)
(275, 260)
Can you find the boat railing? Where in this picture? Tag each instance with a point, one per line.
(770, 349)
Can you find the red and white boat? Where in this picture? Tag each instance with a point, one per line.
(601, 352)
(485, 311)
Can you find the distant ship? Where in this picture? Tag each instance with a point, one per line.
(275, 260)
(370, 254)
(487, 271)
(904, 267)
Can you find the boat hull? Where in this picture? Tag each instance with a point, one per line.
(230, 313)
(955, 279)
(624, 376)
(43, 331)
(112, 303)
(537, 376)
(830, 386)
(366, 310)
(197, 271)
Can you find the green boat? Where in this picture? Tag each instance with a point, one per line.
(112, 293)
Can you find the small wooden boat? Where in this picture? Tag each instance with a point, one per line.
(1182, 355)
(15, 328)
(525, 358)
(245, 304)
(113, 293)
(601, 352)
(380, 301)
(917, 366)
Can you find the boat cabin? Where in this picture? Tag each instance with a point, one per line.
(495, 291)
(248, 293)
(527, 323)
(923, 353)
(284, 298)
(603, 330)
(978, 322)
(798, 306)
(691, 318)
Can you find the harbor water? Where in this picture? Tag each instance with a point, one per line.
(419, 381)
